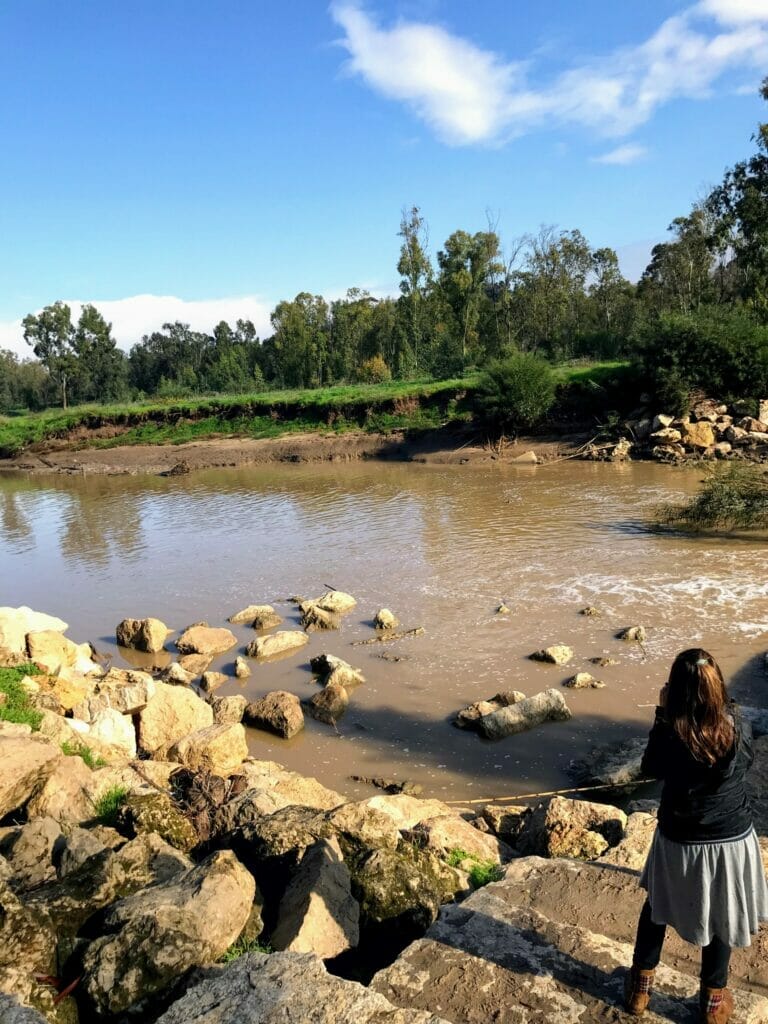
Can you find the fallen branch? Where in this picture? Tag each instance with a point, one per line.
(390, 637)
(550, 792)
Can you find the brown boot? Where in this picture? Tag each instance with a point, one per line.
(716, 1005)
(637, 990)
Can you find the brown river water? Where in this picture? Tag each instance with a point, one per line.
(441, 547)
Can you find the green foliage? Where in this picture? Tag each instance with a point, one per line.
(734, 497)
(15, 704)
(107, 807)
(374, 371)
(243, 946)
(517, 391)
(74, 749)
(480, 872)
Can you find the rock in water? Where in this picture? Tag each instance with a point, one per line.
(158, 934)
(583, 681)
(632, 633)
(242, 670)
(142, 634)
(212, 681)
(468, 717)
(336, 601)
(204, 639)
(227, 710)
(548, 706)
(318, 913)
(384, 619)
(557, 654)
(279, 712)
(259, 616)
(329, 704)
(612, 764)
(277, 643)
(332, 669)
(313, 617)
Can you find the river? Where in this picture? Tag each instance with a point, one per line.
(439, 546)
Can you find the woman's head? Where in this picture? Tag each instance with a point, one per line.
(697, 705)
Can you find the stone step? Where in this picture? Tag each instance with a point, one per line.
(496, 959)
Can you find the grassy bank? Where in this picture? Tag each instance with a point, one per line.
(394, 405)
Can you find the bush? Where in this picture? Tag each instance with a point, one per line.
(517, 391)
(107, 806)
(734, 498)
(374, 371)
(480, 872)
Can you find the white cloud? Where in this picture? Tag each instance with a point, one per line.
(622, 155)
(141, 314)
(470, 95)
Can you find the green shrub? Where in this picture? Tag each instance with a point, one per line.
(243, 946)
(517, 391)
(374, 371)
(15, 704)
(480, 872)
(107, 807)
(74, 749)
(731, 498)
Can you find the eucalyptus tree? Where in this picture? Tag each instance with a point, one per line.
(101, 366)
(51, 334)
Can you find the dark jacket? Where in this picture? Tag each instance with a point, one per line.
(700, 802)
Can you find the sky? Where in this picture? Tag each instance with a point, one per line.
(182, 159)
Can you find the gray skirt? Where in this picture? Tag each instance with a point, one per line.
(705, 890)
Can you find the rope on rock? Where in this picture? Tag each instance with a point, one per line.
(550, 792)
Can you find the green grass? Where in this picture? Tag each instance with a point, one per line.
(597, 373)
(16, 706)
(74, 749)
(734, 497)
(107, 807)
(480, 872)
(243, 946)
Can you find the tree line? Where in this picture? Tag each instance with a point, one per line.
(700, 307)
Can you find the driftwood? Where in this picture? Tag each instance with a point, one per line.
(386, 638)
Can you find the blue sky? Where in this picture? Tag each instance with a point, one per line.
(186, 159)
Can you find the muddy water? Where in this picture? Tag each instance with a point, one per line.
(439, 546)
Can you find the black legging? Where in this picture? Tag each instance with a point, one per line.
(650, 938)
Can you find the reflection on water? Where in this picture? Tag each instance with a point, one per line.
(441, 546)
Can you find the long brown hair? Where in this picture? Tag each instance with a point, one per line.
(697, 705)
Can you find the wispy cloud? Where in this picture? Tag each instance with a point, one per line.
(622, 155)
(470, 95)
(141, 314)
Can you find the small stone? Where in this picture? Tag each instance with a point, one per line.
(603, 662)
(583, 681)
(242, 671)
(557, 654)
(212, 681)
(590, 611)
(329, 704)
(384, 619)
(282, 642)
(503, 609)
(636, 633)
(336, 601)
(177, 676)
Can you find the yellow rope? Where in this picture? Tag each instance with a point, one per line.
(550, 792)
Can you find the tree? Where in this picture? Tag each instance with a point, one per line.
(679, 277)
(467, 264)
(50, 334)
(416, 274)
(301, 341)
(173, 359)
(101, 366)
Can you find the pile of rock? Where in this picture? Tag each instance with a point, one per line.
(709, 430)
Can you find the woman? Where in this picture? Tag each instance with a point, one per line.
(704, 874)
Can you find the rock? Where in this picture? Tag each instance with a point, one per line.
(220, 749)
(590, 611)
(228, 710)
(281, 642)
(313, 617)
(757, 718)
(468, 717)
(26, 764)
(157, 935)
(583, 681)
(526, 459)
(12, 1011)
(384, 619)
(406, 811)
(330, 668)
(27, 938)
(557, 654)
(752, 425)
(29, 852)
(15, 730)
(735, 434)
(242, 670)
(62, 794)
(171, 714)
(15, 623)
(621, 450)
(603, 662)
(279, 712)
(155, 812)
(175, 675)
(505, 821)
(365, 824)
(283, 988)
(123, 690)
(51, 651)
(194, 664)
(329, 704)
(571, 828)
(665, 436)
(318, 913)
(632, 633)
(336, 601)
(259, 616)
(613, 764)
(631, 852)
(503, 609)
(449, 832)
(670, 453)
(79, 846)
(548, 706)
(212, 681)
(112, 729)
(142, 634)
(723, 449)
(287, 787)
(203, 639)
(757, 785)
(699, 435)
(661, 421)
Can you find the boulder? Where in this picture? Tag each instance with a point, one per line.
(79, 846)
(279, 712)
(583, 681)
(205, 639)
(448, 832)
(283, 988)
(220, 749)
(194, 664)
(505, 821)
(313, 617)
(51, 651)
(366, 825)
(27, 938)
(699, 435)
(29, 852)
(171, 714)
(406, 811)
(661, 421)
(142, 634)
(612, 764)
(548, 706)
(332, 669)
(111, 729)
(665, 436)
(15, 623)
(259, 616)
(26, 764)
(571, 828)
(384, 619)
(62, 794)
(212, 681)
(318, 913)
(287, 787)
(123, 690)
(529, 458)
(227, 710)
(752, 425)
(735, 435)
(242, 669)
(557, 654)
(631, 851)
(155, 812)
(329, 704)
(469, 717)
(283, 641)
(337, 602)
(636, 633)
(13, 1011)
(157, 935)
(177, 676)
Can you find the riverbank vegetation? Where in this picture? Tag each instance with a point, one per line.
(732, 497)
(15, 703)
(696, 320)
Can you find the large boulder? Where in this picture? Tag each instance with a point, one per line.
(142, 634)
(315, 618)
(155, 813)
(13, 1011)
(172, 714)
(548, 706)
(318, 913)
(111, 729)
(282, 642)
(63, 793)
(205, 639)
(571, 828)
(612, 764)
(631, 851)
(259, 616)
(123, 690)
(283, 988)
(158, 934)
(469, 717)
(51, 651)
(15, 623)
(279, 712)
(228, 710)
(26, 764)
(27, 938)
(329, 704)
(218, 748)
(29, 852)
(448, 833)
(699, 435)
(336, 601)
(406, 811)
(285, 787)
(556, 654)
